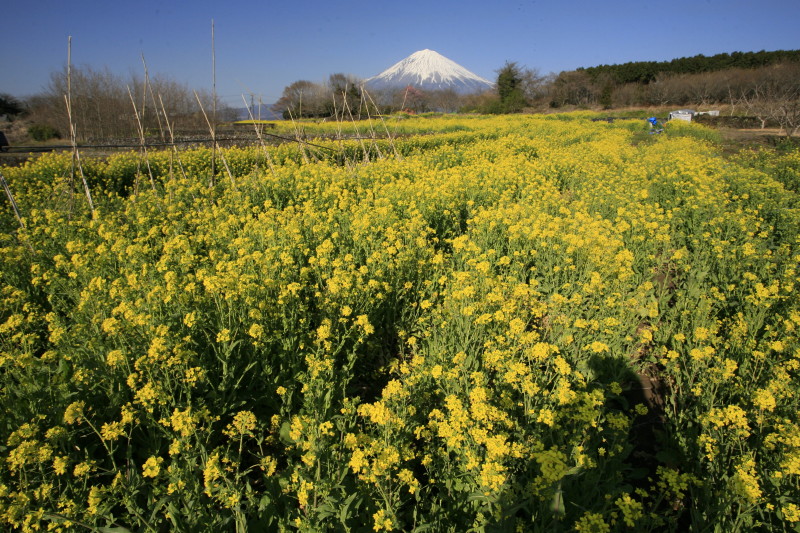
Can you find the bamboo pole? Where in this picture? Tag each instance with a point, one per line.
(214, 141)
(355, 126)
(257, 127)
(143, 147)
(172, 138)
(383, 122)
(214, 106)
(11, 199)
(364, 105)
(14, 206)
(76, 156)
(149, 86)
(297, 135)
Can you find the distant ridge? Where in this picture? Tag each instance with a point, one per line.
(429, 70)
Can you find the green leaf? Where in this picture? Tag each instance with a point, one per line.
(343, 513)
(284, 433)
(557, 505)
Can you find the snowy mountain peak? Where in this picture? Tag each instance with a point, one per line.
(429, 70)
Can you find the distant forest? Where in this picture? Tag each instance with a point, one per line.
(647, 71)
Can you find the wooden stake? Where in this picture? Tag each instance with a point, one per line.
(143, 147)
(172, 137)
(11, 199)
(213, 106)
(76, 156)
(257, 127)
(149, 87)
(215, 146)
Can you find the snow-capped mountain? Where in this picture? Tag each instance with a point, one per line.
(429, 70)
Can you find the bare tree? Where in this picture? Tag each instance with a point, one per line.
(101, 106)
(573, 88)
(302, 98)
(444, 100)
(775, 96)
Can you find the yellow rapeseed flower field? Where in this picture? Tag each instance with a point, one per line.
(524, 323)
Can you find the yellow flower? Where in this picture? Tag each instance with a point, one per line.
(592, 523)
(82, 469)
(211, 473)
(110, 325)
(115, 357)
(764, 400)
(243, 424)
(152, 467)
(598, 347)
(382, 521)
(632, 510)
(256, 331)
(791, 512)
(60, 464)
(190, 319)
(324, 331)
(546, 416)
(701, 334)
(363, 321)
(94, 500)
(516, 327)
(112, 430)
(74, 412)
(745, 481)
(183, 422)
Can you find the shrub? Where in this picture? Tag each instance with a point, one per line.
(43, 132)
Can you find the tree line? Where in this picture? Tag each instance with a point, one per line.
(648, 71)
(104, 105)
(343, 96)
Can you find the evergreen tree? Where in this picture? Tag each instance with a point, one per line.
(510, 87)
(10, 106)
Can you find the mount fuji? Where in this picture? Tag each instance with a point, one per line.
(429, 70)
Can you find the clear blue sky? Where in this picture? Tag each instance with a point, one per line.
(263, 46)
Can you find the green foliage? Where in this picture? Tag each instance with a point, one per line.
(510, 90)
(43, 132)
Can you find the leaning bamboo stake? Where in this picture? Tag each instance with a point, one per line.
(15, 208)
(149, 86)
(172, 139)
(11, 199)
(339, 136)
(213, 105)
(385, 128)
(260, 138)
(355, 126)
(364, 105)
(215, 147)
(142, 145)
(76, 156)
(297, 135)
